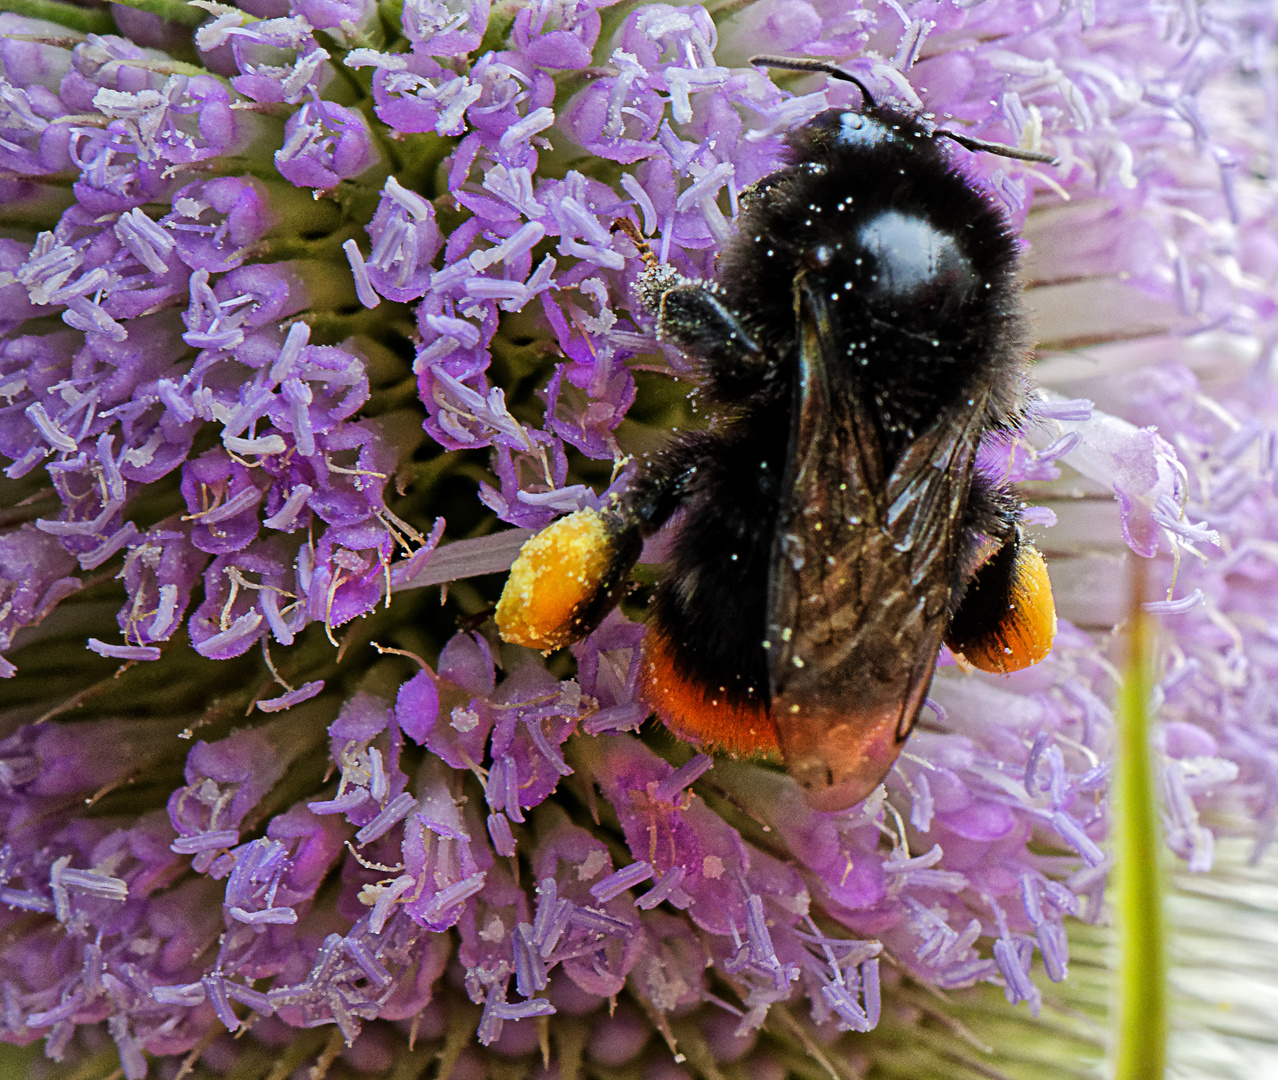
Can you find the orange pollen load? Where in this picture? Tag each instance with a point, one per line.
(556, 574)
(1025, 634)
(701, 714)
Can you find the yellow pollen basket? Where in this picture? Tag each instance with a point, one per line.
(556, 575)
(1025, 634)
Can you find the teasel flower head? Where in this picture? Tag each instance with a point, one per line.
(300, 300)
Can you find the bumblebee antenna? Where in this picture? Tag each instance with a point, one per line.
(795, 63)
(1001, 149)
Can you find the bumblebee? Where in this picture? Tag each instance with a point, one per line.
(864, 332)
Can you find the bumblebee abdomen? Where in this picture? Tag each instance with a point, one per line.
(709, 615)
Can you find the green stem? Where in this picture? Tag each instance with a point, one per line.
(1140, 1041)
(85, 20)
(178, 11)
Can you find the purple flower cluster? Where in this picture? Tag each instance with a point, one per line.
(284, 521)
(486, 829)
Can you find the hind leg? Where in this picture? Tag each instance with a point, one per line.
(1003, 616)
(572, 573)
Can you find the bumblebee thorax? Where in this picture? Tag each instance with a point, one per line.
(897, 267)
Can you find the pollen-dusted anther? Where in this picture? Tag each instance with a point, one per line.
(625, 225)
(565, 579)
(1008, 618)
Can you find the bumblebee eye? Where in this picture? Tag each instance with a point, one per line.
(857, 129)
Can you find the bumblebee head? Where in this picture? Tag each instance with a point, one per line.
(878, 125)
(872, 127)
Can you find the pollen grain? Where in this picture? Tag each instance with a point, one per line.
(1025, 633)
(555, 576)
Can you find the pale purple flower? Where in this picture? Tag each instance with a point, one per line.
(324, 143)
(251, 310)
(214, 225)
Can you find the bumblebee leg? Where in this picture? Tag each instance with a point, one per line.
(566, 579)
(572, 573)
(689, 313)
(691, 317)
(991, 519)
(1006, 619)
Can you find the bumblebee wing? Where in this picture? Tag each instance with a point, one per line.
(860, 574)
(927, 492)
